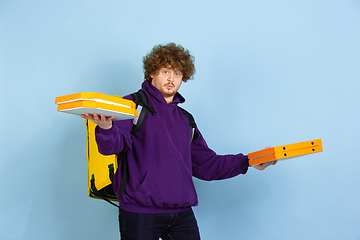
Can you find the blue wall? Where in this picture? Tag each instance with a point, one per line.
(268, 73)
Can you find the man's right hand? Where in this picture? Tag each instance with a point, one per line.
(100, 120)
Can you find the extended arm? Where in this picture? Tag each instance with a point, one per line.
(208, 165)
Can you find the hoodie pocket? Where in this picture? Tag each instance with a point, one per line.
(143, 180)
(166, 190)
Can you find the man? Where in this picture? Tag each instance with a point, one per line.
(163, 157)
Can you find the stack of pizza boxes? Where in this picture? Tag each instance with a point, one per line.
(92, 102)
(285, 152)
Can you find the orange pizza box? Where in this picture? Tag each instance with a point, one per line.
(85, 106)
(285, 151)
(284, 148)
(96, 97)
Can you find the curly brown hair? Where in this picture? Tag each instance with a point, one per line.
(169, 55)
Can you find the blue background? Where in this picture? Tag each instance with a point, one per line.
(268, 73)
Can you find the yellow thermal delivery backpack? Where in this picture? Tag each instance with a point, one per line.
(101, 168)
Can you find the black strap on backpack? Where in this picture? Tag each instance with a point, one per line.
(190, 118)
(141, 101)
(97, 193)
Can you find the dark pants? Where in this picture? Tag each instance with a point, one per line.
(140, 226)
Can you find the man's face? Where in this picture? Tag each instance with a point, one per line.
(168, 81)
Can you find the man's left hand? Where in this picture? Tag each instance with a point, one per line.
(264, 165)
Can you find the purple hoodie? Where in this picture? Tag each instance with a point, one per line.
(162, 158)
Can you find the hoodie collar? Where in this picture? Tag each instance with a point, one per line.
(155, 93)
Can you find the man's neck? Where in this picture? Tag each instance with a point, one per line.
(169, 99)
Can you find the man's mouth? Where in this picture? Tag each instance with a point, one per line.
(169, 86)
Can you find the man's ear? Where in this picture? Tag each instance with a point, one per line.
(152, 75)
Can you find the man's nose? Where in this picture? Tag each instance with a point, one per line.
(171, 77)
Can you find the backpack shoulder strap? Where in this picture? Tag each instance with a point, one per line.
(143, 108)
(141, 101)
(190, 118)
